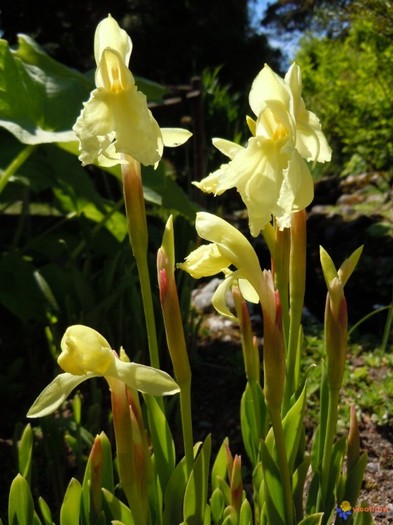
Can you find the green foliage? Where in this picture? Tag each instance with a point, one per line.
(347, 83)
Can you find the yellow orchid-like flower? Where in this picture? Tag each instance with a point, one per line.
(228, 247)
(271, 173)
(86, 354)
(116, 119)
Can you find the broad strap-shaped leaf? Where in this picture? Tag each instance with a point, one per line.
(39, 97)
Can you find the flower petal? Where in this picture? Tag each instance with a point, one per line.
(144, 378)
(109, 35)
(122, 120)
(173, 137)
(296, 192)
(205, 261)
(84, 350)
(267, 86)
(55, 393)
(231, 243)
(310, 140)
(227, 147)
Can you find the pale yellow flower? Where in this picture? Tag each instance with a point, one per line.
(87, 354)
(271, 173)
(116, 119)
(228, 247)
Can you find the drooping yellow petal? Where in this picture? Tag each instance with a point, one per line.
(173, 137)
(296, 192)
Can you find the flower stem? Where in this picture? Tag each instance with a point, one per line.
(297, 283)
(138, 235)
(329, 440)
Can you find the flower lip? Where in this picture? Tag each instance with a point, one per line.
(84, 351)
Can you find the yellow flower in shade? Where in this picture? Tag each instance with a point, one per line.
(228, 248)
(86, 354)
(271, 173)
(116, 120)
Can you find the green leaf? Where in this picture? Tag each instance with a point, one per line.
(162, 440)
(40, 98)
(298, 481)
(45, 511)
(219, 469)
(245, 517)
(70, 508)
(338, 453)
(354, 480)
(273, 490)
(217, 505)
(165, 192)
(20, 503)
(313, 519)
(252, 419)
(118, 510)
(25, 452)
(174, 494)
(195, 497)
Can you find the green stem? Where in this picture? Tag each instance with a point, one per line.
(148, 308)
(297, 284)
(331, 426)
(186, 421)
(275, 416)
(15, 165)
(138, 235)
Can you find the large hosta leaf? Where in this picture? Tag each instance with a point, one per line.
(40, 98)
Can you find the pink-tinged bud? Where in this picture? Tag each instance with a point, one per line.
(236, 484)
(95, 484)
(273, 353)
(163, 285)
(135, 206)
(170, 307)
(353, 450)
(249, 343)
(278, 309)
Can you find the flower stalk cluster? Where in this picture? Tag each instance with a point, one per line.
(272, 175)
